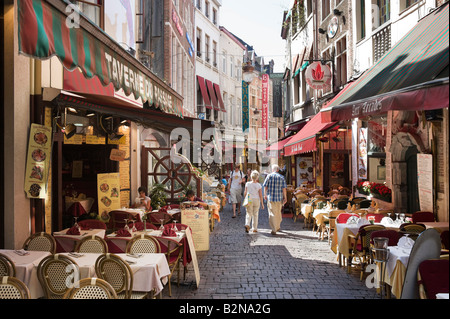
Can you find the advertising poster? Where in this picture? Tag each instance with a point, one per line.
(108, 190)
(198, 221)
(38, 161)
(425, 181)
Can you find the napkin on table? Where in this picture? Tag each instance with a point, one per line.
(123, 233)
(169, 232)
(73, 231)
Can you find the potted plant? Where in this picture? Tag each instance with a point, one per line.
(158, 196)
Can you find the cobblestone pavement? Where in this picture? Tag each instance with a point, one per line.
(294, 264)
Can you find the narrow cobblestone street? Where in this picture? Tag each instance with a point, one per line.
(293, 264)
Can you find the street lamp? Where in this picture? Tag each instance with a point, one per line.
(247, 72)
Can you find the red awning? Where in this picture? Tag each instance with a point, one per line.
(305, 140)
(212, 95)
(205, 95)
(279, 146)
(219, 97)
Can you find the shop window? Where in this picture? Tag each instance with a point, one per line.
(92, 9)
(377, 130)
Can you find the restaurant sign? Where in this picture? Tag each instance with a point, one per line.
(43, 33)
(318, 76)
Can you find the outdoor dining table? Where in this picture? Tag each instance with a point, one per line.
(117, 244)
(150, 271)
(26, 268)
(396, 266)
(67, 243)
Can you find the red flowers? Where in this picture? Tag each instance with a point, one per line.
(376, 189)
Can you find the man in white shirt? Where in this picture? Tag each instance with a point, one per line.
(235, 186)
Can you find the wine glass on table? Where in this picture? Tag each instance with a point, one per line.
(175, 226)
(162, 225)
(76, 224)
(134, 229)
(126, 227)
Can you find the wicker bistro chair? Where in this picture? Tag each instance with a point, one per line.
(91, 288)
(423, 217)
(7, 267)
(92, 224)
(174, 252)
(143, 244)
(13, 288)
(92, 244)
(412, 230)
(330, 223)
(54, 272)
(360, 247)
(432, 277)
(40, 242)
(114, 270)
(366, 203)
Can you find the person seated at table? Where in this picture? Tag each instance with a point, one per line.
(190, 196)
(143, 201)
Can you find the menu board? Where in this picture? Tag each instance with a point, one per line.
(425, 181)
(198, 221)
(108, 190)
(38, 161)
(190, 241)
(304, 170)
(362, 153)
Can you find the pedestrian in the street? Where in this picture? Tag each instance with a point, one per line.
(235, 186)
(276, 196)
(254, 189)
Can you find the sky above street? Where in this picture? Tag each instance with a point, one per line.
(258, 23)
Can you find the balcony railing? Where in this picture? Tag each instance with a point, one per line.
(381, 42)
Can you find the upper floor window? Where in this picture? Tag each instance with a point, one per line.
(309, 8)
(207, 9)
(207, 48)
(140, 21)
(404, 4)
(382, 13)
(199, 4)
(199, 42)
(326, 8)
(214, 17)
(93, 9)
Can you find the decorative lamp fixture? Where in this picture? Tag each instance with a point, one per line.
(248, 72)
(337, 12)
(70, 129)
(322, 31)
(112, 134)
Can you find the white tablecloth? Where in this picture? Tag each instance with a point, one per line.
(149, 272)
(26, 269)
(397, 253)
(66, 243)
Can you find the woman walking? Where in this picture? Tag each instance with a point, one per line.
(253, 188)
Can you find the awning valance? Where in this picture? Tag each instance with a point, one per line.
(405, 78)
(279, 146)
(212, 95)
(44, 33)
(305, 140)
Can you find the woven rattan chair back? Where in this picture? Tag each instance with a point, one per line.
(366, 235)
(91, 288)
(7, 267)
(57, 273)
(13, 288)
(92, 244)
(40, 242)
(143, 244)
(114, 270)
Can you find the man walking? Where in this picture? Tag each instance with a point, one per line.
(275, 195)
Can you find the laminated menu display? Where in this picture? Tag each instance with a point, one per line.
(108, 190)
(38, 161)
(198, 221)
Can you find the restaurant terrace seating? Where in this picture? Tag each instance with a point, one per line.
(156, 217)
(365, 203)
(342, 218)
(91, 288)
(140, 226)
(13, 288)
(53, 274)
(360, 246)
(143, 244)
(92, 224)
(114, 270)
(413, 230)
(341, 203)
(377, 216)
(423, 217)
(40, 242)
(92, 244)
(117, 219)
(433, 278)
(330, 223)
(7, 267)
(392, 235)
